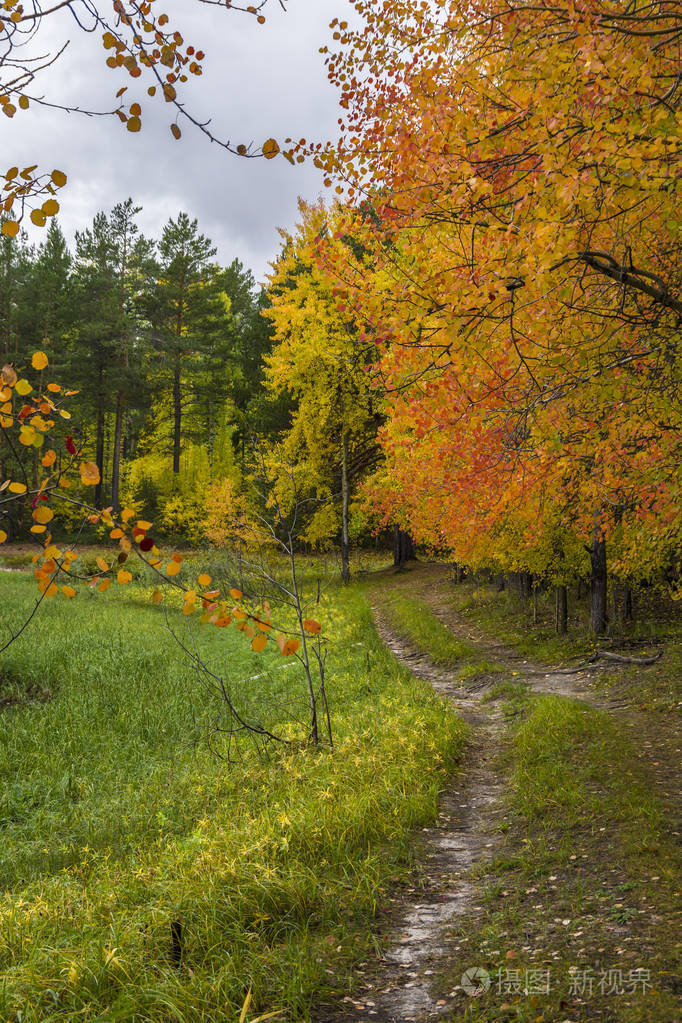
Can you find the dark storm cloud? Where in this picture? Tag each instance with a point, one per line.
(259, 81)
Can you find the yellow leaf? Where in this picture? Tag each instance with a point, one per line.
(43, 514)
(175, 130)
(10, 228)
(173, 568)
(123, 577)
(259, 643)
(23, 387)
(39, 360)
(102, 565)
(143, 524)
(27, 435)
(3, 535)
(38, 218)
(89, 474)
(204, 579)
(133, 124)
(50, 207)
(17, 488)
(270, 149)
(69, 592)
(157, 596)
(127, 514)
(58, 178)
(188, 609)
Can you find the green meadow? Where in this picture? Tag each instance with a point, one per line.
(151, 871)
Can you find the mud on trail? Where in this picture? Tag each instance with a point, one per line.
(418, 936)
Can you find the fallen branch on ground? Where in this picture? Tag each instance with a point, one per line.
(622, 659)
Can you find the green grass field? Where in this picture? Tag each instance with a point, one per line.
(119, 818)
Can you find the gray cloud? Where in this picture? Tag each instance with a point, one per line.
(259, 81)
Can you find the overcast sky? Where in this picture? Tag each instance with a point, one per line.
(259, 81)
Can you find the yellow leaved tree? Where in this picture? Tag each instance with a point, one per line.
(320, 361)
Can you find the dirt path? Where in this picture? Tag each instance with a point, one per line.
(467, 833)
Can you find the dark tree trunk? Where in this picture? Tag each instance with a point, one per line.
(598, 585)
(627, 604)
(345, 562)
(99, 453)
(116, 455)
(403, 547)
(177, 417)
(561, 609)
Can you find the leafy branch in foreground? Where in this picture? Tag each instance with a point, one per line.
(30, 417)
(140, 43)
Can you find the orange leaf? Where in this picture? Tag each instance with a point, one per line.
(123, 577)
(236, 594)
(311, 626)
(69, 592)
(102, 565)
(104, 585)
(204, 579)
(259, 643)
(49, 458)
(89, 474)
(173, 568)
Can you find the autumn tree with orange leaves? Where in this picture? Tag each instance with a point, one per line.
(523, 162)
